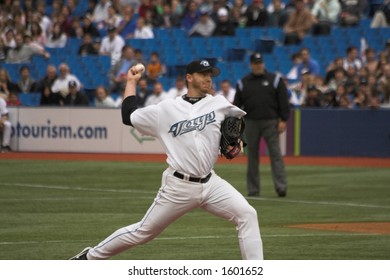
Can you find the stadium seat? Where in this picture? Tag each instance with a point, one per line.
(30, 99)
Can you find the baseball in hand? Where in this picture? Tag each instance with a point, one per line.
(140, 68)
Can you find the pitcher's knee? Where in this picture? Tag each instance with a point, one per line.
(249, 214)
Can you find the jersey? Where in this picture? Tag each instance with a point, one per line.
(189, 133)
(3, 107)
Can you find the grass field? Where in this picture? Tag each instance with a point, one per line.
(50, 210)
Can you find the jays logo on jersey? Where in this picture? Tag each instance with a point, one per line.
(198, 123)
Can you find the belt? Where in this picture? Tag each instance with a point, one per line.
(192, 179)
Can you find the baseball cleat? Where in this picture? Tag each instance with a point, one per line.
(82, 256)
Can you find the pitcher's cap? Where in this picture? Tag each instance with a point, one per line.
(198, 66)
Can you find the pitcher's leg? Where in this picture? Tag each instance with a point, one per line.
(252, 136)
(170, 204)
(226, 202)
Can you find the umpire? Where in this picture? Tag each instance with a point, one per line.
(263, 95)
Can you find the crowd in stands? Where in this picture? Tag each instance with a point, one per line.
(32, 27)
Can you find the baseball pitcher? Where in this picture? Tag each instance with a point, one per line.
(189, 129)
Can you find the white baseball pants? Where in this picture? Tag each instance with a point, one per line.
(175, 198)
(6, 133)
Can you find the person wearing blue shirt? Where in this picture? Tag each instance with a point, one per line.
(308, 64)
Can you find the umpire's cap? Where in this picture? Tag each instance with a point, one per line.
(256, 58)
(198, 66)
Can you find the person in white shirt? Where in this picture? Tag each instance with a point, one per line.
(103, 99)
(227, 91)
(100, 13)
(61, 84)
(57, 37)
(143, 31)
(158, 95)
(179, 89)
(5, 126)
(112, 45)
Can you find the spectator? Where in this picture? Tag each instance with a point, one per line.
(338, 79)
(143, 92)
(338, 62)
(267, 114)
(143, 30)
(325, 15)
(118, 72)
(299, 23)
(351, 11)
(112, 45)
(65, 20)
(103, 99)
(87, 47)
(114, 18)
(329, 99)
(204, 27)
(48, 79)
(155, 68)
(177, 8)
(227, 91)
(6, 85)
(139, 57)
(128, 24)
(13, 100)
(277, 16)
(61, 84)
(362, 95)
(100, 13)
(145, 6)
(191, 15)
(370, 60)
(224, 26)
(179, 89)
(382, 16)
(298, 90)
(384, 86)
(77, 30)
(38, 37)
(237, 13)
(89, 27)
(168, 18)
(9, 38)
(49, 98)
(75, 97)
(5, 127)
(26, 84)
(256, 14)
(3, 51)
(313, 98)
(352, 58)
(308, 63)
(23, 53)
(293, 72)
(157, 95)
(57, 37)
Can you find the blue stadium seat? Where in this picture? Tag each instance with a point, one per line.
(30, 99)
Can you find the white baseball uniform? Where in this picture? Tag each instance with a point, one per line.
(6, 128)
(190, 135)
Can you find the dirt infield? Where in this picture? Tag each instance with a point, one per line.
(374, 228)
(290, 160)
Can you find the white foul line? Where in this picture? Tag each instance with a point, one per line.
(194, 238)
(280, 200)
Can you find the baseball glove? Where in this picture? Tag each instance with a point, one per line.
(232, 130)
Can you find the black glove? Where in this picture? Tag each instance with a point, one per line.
(232, 130)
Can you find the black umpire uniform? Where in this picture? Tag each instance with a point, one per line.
(264, 97)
